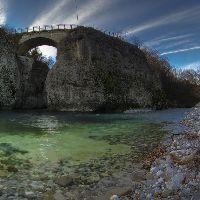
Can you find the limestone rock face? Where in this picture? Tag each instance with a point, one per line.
(31, 90)
(8, 72)
(96, 72)
(93, 72)
(22, 81)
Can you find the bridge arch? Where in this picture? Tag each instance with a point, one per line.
(31, 43)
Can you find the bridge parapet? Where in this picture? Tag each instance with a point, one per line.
(45, 28)
(62, 27)
(59, 27)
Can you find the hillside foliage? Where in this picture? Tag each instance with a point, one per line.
(181, 87)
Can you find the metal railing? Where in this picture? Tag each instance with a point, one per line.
(49, 28)
(45, 28)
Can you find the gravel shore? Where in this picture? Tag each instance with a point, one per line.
(174, 167)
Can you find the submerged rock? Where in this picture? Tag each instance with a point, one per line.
(115, 197)
(3, 173)
(65, 181)
(59, 196)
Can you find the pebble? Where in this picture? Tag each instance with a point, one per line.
(115, 197)
(169, 175)
(59, 196)
(159, 173)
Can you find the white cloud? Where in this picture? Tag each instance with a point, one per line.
(48, 51)
(175, 44)
(2, 12)
(193, 65)
(158, 42)
(180, 50)
(51, 14)
(87, 11)
(168, 19)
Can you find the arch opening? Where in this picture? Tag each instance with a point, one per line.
(39, 56)
(32, 43)
(44, 54)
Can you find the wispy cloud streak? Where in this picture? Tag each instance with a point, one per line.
(157, 42)
(51, 14)
(168, 19)
(86, 12)
(180, 50)
(2, 12)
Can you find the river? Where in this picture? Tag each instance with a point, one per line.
(42, 142)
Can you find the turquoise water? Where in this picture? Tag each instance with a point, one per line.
(40, 137)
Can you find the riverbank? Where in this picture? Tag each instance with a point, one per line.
(174, 166)
(40, 151)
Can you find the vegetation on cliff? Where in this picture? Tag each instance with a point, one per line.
(120, 75)
(181, 88)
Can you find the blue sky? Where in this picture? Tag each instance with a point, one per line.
(170, 26)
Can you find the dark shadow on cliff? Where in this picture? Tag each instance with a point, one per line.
(33, 70)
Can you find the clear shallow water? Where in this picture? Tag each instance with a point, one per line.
(47, 136)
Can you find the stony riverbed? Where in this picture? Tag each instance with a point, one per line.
(174, 166)
(115, 171)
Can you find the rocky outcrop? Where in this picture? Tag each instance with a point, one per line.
(8, 71)
(93, 72)
(22, 81)
(96, 72)
(32, 91)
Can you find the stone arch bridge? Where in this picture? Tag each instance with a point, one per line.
(94, 70)
(37, 36)
(46, 35)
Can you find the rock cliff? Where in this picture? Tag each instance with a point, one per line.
(22, 80)
(31, 91)
(93, 72)
(96, 72)
(8, 71)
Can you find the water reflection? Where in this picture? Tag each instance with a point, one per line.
(48, 136)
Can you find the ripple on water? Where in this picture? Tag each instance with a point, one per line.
(77, 138)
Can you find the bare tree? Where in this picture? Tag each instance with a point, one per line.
(191, 75)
